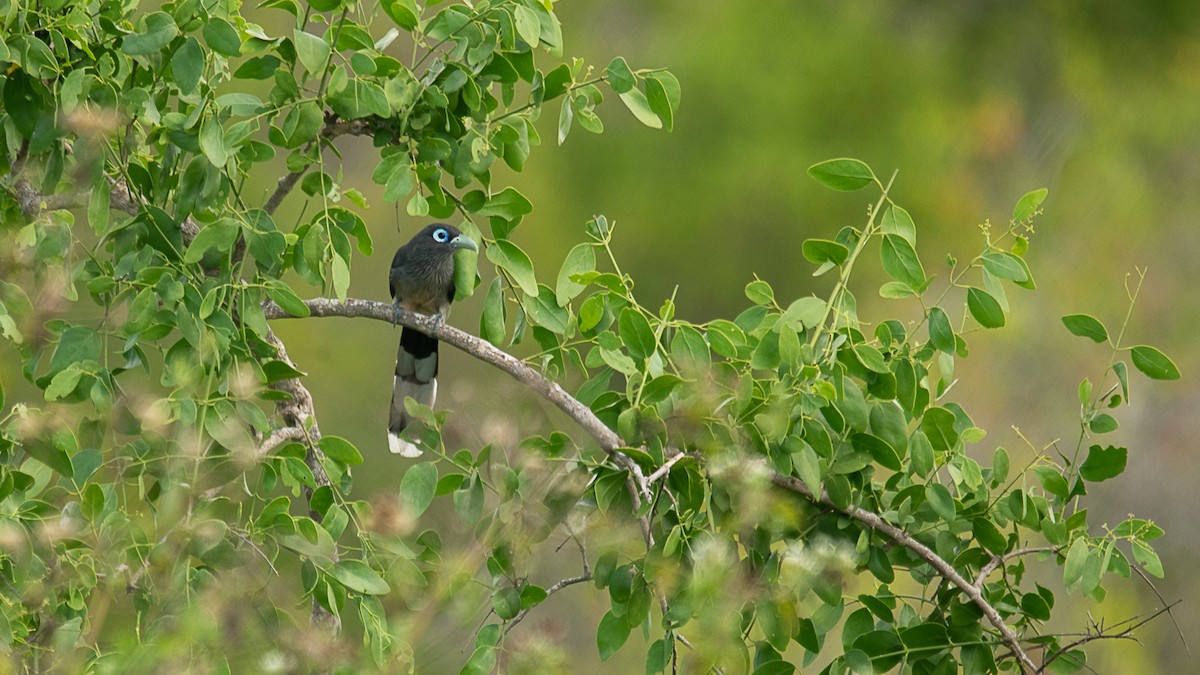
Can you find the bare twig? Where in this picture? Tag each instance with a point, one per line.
(663, 470)
(550, 591)
(1116, 633)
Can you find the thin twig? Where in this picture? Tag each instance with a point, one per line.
(549, 591)
(665, 468)
(1124, 634)
(997, 561)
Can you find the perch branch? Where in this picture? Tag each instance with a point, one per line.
(611, 442)
(608, 440)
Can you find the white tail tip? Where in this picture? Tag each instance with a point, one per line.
(399, 446)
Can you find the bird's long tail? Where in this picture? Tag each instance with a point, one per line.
(416, 376)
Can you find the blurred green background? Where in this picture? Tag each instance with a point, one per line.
(975, 104)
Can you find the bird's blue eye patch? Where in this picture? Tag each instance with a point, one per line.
(441, 235)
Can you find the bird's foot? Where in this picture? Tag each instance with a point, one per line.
(395, 313)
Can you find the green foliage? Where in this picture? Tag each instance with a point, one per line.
(176, 475)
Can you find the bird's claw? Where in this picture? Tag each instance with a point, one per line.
(395, 313)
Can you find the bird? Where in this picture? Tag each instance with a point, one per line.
(421, 280)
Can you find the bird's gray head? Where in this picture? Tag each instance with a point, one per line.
(441, 238)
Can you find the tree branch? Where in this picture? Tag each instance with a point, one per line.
(587, 576)
(481, 349)
(1115, 633)
(943, 568)
(611, 443)
(279, 437)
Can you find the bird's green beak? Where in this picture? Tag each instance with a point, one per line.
(463, 241)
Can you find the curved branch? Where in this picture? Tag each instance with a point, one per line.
(944, 569)
(483, 350)
(611, 442)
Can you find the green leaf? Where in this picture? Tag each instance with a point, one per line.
(1076, 559)
(808, 467)
(509, 257)
(212, 142)
(580, 260)
(871, 357)
(406, 15)
(1006, 266)
(897, 221)
(566, 116)
(1153, 363)
(660, 103)
(157, 31)
(312, 51)
(820, 251)
(1147, 558)
(636, 334)
(894, 290)
(1103, 424)
(940, 332)
(544, 311)
(360, 99)
(941, 501)
(340, 449)
(921, 452)
(887, 422)
(492, 323)
(357, 576)
(1085, 326)
(901, 263)
(508, 204)
(759, 292)
(1035, 606)
(806, 312)
(282, 295)
(483, 659)
(400, 183)
(219, 235)
(988, 536)
(619, 76)
(52, 456)
(187, 65)
(340, 268)
(1103, 463)
(880, 450)
(529, 28)
(63, 383)
(222, 37)
(938, 425)
(688, 348)
(418, 487)
(636, 101)
(842, 174)
(1028, 204)
(611, 634)
(984, 308)
(506, 602)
